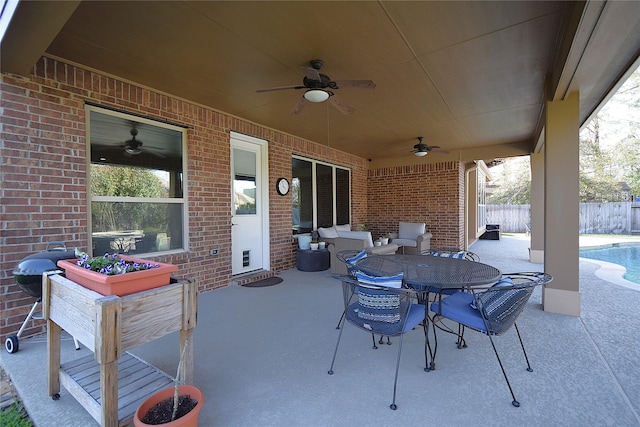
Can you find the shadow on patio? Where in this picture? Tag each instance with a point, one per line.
(262, 356)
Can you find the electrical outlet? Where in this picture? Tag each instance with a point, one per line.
(213, 252)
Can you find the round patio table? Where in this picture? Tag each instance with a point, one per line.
(424, 271)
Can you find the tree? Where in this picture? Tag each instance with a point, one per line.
(122, 181)
(512, 182)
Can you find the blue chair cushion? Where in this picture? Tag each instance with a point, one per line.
(457, 308)
(415, 315)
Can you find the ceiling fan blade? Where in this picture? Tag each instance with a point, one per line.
(298, 107)
(439, 150)
(339, 103)
(155, 153)
(311, 73)
(280, 88)
(363, 84)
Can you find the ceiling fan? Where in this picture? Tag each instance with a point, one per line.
(421, 149)
(133, 146)
(319, 87)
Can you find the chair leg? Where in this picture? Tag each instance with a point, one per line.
(461, 341)
(514, 402)
(395, 380)
(382, 341)
(341, 318)
(529, 368)
(335, 352)
(373, 338)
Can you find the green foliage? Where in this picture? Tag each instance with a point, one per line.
(512, 183)
(123, 181)
(15, 416)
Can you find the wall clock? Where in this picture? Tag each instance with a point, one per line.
(282, 186)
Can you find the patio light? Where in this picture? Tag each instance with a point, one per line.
(316, 95)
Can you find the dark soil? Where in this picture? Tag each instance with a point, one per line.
(161, 412)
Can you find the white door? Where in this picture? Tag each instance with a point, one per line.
(249, 204)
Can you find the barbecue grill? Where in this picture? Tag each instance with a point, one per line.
(28, 275)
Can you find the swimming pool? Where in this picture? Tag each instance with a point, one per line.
(624, 254)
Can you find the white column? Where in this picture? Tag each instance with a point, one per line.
(561, 219)
(536, 252)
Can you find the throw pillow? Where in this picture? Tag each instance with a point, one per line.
(485, 298)
(354, 259)
(327, 232)
(343, 227)
(394, 281)
(378, 305)
(457, 255)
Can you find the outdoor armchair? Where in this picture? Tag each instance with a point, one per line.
(492, 311)
(412, 237)
(381, 305)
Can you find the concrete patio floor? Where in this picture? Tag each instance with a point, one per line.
(262, 355)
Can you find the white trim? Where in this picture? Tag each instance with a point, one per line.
(184, 200)
(264, 189)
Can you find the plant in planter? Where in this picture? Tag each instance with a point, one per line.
(112, 264)
(176, 406)
(116, 274)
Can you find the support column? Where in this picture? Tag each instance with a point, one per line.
(561, 218)
(536, 252)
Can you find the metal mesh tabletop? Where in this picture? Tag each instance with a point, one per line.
(425, 270)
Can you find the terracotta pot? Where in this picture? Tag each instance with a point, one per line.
(119, 284)
(189, 420)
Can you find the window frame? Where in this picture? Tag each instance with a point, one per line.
(314, 188)
(89, 108)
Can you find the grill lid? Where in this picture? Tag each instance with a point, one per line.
(38, 263)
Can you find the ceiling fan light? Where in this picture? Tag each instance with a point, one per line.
(316, 95)
(421, 153)
(133, 151)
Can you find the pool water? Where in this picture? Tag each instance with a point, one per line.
(626, 255)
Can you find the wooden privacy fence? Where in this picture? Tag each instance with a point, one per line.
(595, 218)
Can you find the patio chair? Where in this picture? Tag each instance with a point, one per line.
(494, 310)
(380, 305)
(457, 254)
(349, 258)
(412, 237)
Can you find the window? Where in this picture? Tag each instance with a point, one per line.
(137, 184)
(320, 195)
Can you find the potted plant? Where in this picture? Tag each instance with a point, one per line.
(384, 239)
(116, 274)
(179, 405)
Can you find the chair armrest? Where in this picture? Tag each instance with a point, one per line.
(343, 244)
(424, 242)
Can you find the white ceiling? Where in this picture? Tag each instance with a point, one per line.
(468, 76)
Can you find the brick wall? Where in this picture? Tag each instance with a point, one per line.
(432, 193)
(44, 175)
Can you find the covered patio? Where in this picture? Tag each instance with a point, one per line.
(262, 356)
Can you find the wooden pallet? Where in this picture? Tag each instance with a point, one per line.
(137, 380)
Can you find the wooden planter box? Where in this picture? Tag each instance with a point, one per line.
(108, 326)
